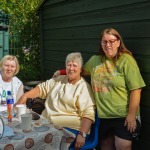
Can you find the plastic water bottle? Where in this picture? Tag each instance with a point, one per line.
(10, 106)
(3, 97)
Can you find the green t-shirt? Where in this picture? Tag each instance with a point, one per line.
(112, 82)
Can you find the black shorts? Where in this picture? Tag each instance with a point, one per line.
(116, 127)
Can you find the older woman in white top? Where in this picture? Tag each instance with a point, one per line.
(69, 99)
(9, 67)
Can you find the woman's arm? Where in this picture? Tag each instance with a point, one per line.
(35, 92)
(63, 72)
(59, 72)
(85, 127)
(135, 96)
(84, 73)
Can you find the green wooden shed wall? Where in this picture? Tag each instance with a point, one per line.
(75, 25)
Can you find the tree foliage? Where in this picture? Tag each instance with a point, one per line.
(24, 35)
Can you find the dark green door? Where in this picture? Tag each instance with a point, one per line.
(4, 39)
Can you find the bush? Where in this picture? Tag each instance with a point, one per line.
(24, 36)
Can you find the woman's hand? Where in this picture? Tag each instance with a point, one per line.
(130, 122)
(85, 126)
(80, 141)
(56, 74)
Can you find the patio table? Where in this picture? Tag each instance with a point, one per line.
(43, 136)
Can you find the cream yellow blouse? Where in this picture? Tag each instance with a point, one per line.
(66, 103)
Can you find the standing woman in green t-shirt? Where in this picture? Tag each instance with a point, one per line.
(116, 82)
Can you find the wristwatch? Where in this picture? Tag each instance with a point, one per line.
(83, 134)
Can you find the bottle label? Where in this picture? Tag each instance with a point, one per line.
(9, 111)
(10, 101)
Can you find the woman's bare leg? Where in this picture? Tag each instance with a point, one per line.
(106, 143)
(122, 144)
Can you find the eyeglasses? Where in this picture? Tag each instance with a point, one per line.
(111, 42)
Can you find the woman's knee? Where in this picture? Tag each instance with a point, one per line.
(122, 144)
(107, 143)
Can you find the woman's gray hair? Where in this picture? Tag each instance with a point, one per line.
(11, 58)
(75, 57)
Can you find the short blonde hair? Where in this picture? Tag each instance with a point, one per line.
(75, 57)
(11, 58)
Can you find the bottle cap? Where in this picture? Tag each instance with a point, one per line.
(8, 92)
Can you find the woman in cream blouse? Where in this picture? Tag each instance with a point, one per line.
(69, 99)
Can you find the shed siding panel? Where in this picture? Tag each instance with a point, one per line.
(75, 25)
